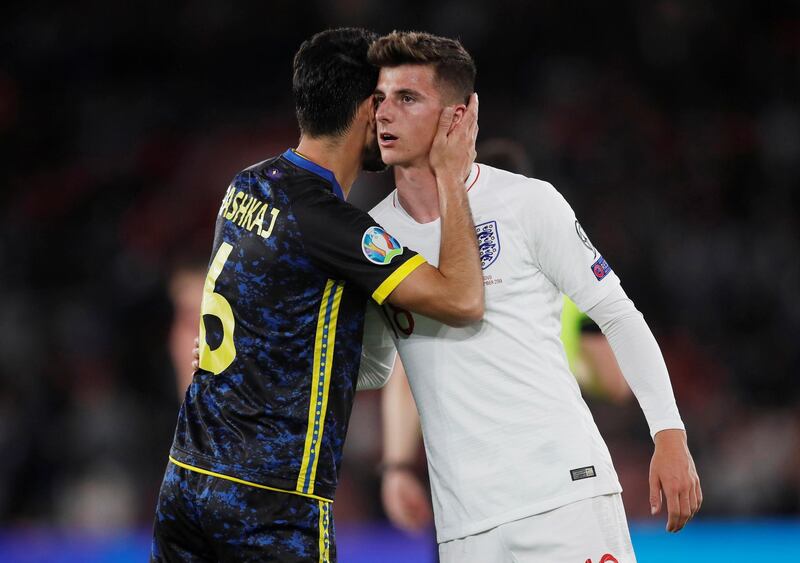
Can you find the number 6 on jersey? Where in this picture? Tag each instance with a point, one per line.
(216, 305)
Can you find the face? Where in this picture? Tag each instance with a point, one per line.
(408, 105)
(365, 121)
(371, 158)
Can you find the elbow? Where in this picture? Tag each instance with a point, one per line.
(468, 312)
(476, 311)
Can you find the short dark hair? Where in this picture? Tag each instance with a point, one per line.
(331, 78)
(452, 63)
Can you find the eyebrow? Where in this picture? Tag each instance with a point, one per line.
(402, 92)
(410, 92)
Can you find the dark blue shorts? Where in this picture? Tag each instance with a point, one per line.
(205, 518)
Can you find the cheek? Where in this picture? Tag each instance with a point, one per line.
(425, 129)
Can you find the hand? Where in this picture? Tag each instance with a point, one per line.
(196, 355)
(672, 471)
(405, 500)
(453, 149)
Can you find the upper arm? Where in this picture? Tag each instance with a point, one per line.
(562, 250)
(348, 244)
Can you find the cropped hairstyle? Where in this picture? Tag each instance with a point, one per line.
(453, 66)
(331, 78)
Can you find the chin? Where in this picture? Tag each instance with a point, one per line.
(388, 160)
(371, 159)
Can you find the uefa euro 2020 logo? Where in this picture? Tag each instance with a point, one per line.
(379, 246)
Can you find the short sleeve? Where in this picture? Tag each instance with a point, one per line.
(561, 248)
(378, 351)
(348, 244)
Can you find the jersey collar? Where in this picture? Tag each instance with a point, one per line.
(298, 160)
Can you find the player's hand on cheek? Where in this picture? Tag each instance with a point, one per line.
(673, 473)
(405, 500)
(453, 148)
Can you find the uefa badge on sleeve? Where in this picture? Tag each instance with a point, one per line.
(379, 246)
(601, 269)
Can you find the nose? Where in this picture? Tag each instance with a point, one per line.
(382, 112)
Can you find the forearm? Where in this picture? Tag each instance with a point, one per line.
(401, 432)
(459, 261)
(639, 358)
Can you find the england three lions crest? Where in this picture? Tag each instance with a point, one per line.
(488, 243)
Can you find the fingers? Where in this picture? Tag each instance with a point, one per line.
(699, 491)
(446, 120)
(696, 496)
(694, 503)
(417, 509)
(470, 118)
(683, 497)
(196, 355)
(468, 123)
(655, 493)
(673, 510)
(686, 508)
(682, 504)
(472, 114)
(405, 502)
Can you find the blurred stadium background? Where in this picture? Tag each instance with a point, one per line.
(672, 126)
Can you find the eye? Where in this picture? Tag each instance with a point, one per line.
(377, 100)
(406, 99)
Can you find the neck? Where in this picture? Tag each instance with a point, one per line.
(340, 155)
(416, 190)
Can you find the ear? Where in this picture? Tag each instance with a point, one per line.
(458, 115)
(366, 110)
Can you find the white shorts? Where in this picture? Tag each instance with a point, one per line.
(592, 530)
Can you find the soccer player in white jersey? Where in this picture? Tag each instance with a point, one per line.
(519, 471)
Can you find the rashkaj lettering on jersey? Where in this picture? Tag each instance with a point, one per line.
(248, 212)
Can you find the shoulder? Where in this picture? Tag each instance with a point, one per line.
(278, 172)
(262, 169)
(384, 208)
(524, 194)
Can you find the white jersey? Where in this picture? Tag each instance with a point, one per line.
(506, 431)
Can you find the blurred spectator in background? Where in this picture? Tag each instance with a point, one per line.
(185, 291)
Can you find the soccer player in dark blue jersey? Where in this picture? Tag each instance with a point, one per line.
(253, 467)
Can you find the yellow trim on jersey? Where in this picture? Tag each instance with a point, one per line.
(324, 532)
(320, 383)
(388, 285)
(334, 317)
(243, 482)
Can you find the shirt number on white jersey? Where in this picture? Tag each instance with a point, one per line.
(401, 321)
(216, 305)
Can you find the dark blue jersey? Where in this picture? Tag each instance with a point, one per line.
(292, 268)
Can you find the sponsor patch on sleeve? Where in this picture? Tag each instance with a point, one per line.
(601, 269)
(379, 246)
